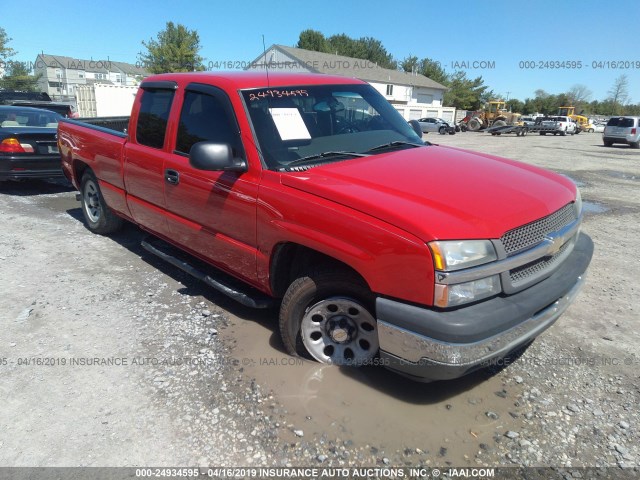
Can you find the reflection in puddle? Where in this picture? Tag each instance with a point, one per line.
(622, 175)
(593, 207)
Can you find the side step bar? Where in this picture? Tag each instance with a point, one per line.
(229, 286)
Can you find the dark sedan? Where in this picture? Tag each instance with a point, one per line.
(28, 143)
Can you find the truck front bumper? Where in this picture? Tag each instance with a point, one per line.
(429, 345)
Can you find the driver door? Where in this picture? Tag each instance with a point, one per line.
(211, 213)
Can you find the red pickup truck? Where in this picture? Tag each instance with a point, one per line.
(311, 192)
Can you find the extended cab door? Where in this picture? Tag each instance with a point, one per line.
(145, 154)
(211, 213)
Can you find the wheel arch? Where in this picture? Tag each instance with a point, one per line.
(79, 167)
(289, 260)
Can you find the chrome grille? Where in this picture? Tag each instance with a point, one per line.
(533, 233)
(537, 266)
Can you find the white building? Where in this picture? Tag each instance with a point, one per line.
(60, 75)
(413, 95)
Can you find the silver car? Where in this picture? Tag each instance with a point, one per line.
(622, 130)
(432, 124)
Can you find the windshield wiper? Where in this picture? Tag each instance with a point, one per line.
(397, 143)
(324, 155)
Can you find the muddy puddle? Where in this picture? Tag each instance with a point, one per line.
(621, 175)
(372, 407)
(594, 207)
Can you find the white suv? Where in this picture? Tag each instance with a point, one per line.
(622, 130)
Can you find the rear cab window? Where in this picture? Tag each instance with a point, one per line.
(153, 117)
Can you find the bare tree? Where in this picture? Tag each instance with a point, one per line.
(619, 93)
(579, 94)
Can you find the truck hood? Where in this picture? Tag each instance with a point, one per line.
(440, 192)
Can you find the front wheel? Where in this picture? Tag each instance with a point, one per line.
(327, 315)
(99, 217)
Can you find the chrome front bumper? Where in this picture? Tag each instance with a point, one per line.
(429, 345)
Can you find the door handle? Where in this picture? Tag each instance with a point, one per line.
(172, 176)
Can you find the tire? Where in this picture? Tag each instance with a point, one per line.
(543, 133)
(98, 216)
(607, 143)
(634, 144)
(499, 123)
(474, 125)
(327, 315)
(563, 133)
(590, 130)
(442, 130)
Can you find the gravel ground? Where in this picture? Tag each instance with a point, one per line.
(167, 372)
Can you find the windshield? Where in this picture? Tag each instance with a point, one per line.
(295, 122)
(28, 117)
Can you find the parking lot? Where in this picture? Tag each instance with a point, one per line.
(131, 362)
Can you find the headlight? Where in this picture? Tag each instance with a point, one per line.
(458, 294)
(456, 255)
(578, 202)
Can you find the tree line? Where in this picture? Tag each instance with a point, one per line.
(176, 49)
(472, 93)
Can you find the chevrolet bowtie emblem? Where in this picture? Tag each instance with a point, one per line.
(555, 243)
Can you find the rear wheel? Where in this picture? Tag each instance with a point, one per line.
(327, 315)
(499, 123)
(634, 144)
(442, 130)
(590, 130)
(607, 143)
(99, 217)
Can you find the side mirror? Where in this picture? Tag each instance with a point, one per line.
(416, 127)
(215, 157)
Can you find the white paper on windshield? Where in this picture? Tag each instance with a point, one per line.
(290, 124)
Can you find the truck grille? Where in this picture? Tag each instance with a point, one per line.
(533, 233)
(524, 272)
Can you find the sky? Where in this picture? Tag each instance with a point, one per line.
(513, 45)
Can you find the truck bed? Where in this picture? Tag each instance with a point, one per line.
(117, 125)
(102, 140)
